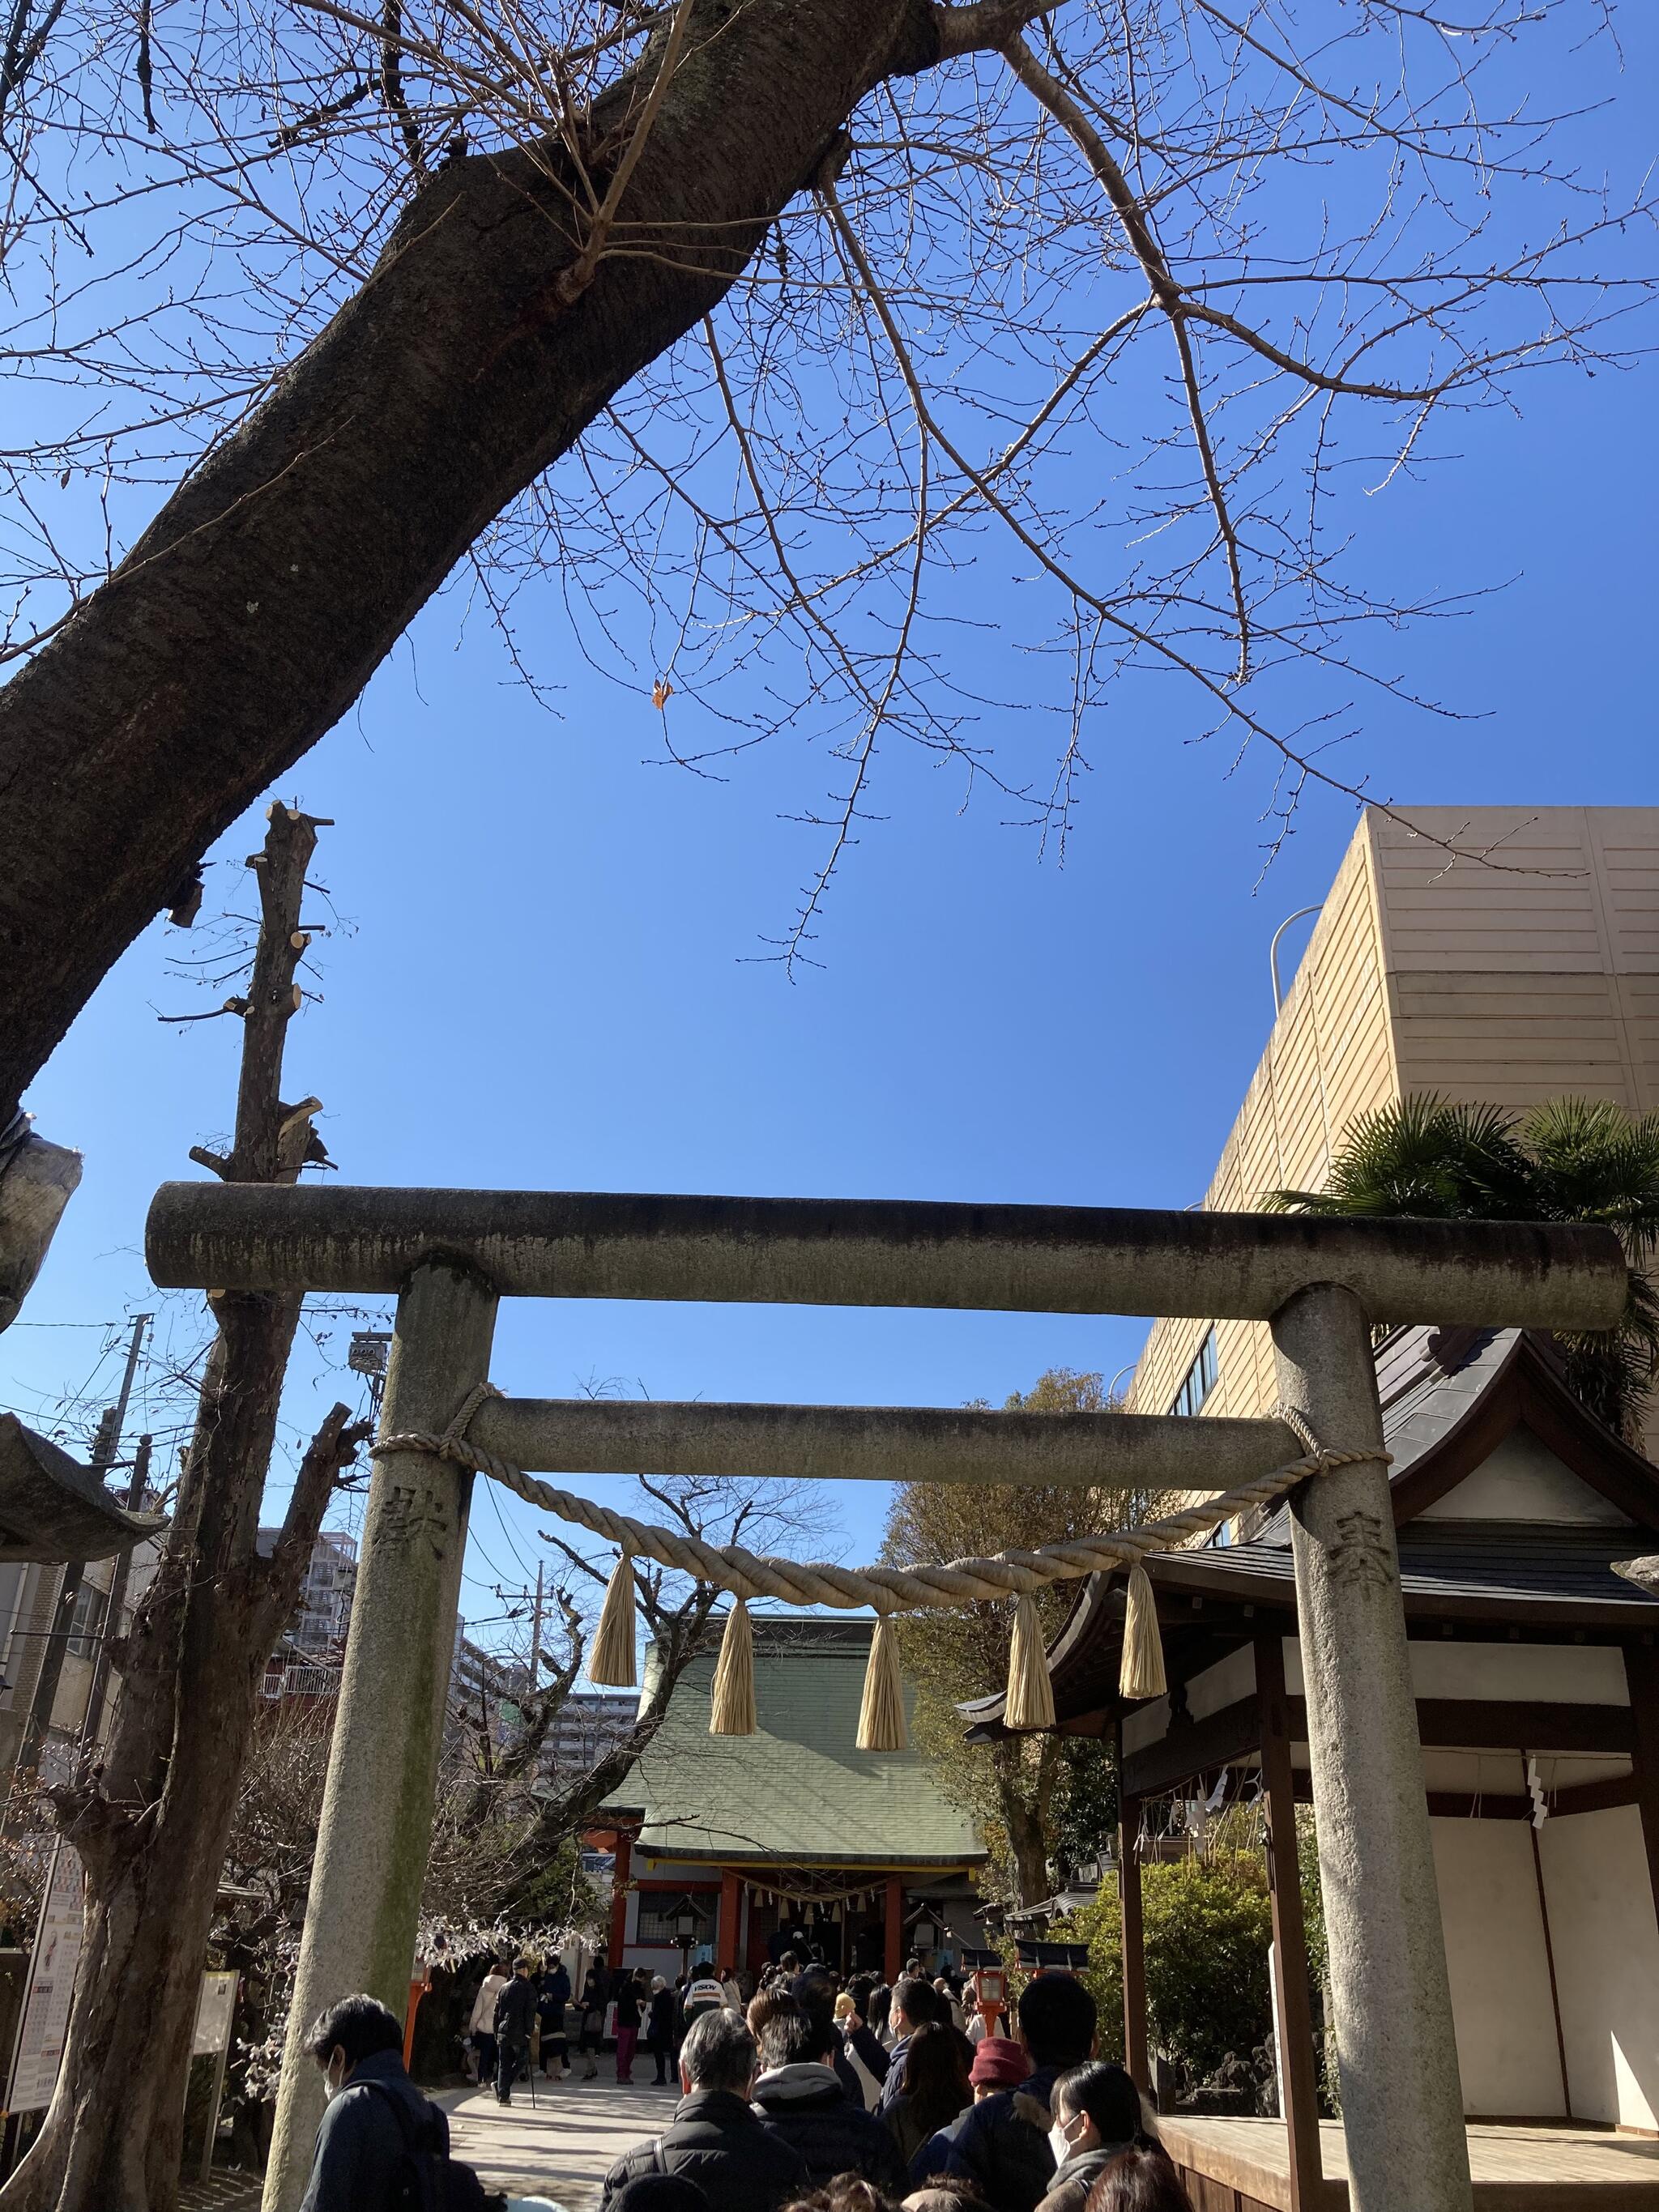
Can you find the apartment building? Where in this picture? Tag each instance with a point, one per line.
(28, 1608)
(1522, 965)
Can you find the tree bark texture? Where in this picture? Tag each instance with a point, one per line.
(1024, 1816)
(152, 1824)
(258, 603)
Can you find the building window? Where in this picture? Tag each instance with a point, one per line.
(86, 1622)
(1200, 1379)
(658, 1913)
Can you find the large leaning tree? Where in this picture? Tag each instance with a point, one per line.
(753, 322)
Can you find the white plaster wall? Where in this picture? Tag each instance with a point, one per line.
(1524, 1480)
(1561, 1674)
(1500, 1985)
(1606, 1962)
(1224, 1683)
(1549, 1674)
(1149, 1725)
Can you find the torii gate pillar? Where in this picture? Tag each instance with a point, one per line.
(376, 1825)
(1402, 2105)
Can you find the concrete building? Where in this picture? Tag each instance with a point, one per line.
(1527, 968)
(29, 1606)
(306, 1663)
(586, 1727)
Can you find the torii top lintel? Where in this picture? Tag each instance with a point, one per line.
(818, 1251)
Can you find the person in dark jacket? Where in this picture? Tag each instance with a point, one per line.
(659, 2030)
(1095, 2113)
(553, 2005)
(915, 2004)
(515, 2016)
(934, 2090)
(593, 2018)
(800, 2099)
(815, 1992)
(1003, 2144)
(714, 2139)
(998, 2063)
(661, 2192)
(374, 2114)
(631, 1998)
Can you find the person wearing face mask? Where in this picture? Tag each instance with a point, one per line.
(1003, 2144)
(381, 2144)
(1095, 2110)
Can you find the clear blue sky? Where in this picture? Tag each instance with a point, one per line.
(551, 978)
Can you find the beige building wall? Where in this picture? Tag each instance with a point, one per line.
(1523, 966)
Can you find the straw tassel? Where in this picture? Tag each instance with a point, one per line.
(733, 1709)
(1141, 1674)
(881, 1716)
(611, 1660)
(1030, 1701)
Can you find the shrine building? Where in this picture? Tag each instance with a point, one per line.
(731, 1849)
(1537, 1671)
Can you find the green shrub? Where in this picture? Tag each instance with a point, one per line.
(1208, 1928)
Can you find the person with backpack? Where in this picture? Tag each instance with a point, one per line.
(515, 2017)
(382, 2146)
(716, 2138)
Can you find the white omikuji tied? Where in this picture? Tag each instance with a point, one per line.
(1141, 1674)
(1030, 1701)
(881, 1716)
(733, 1712)
(611, 1660)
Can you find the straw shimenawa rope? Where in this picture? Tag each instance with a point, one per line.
(1013, 1573)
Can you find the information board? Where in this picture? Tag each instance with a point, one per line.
(51, 1984)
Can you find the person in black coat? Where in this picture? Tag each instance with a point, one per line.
(801, 2101)
(714, 2139)
(515, 2017)
(374, 2111)
(553, 2004)
(593, 2002)
(1003, 2146)
(659, 2023)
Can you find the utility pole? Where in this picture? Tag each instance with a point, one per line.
(117, 1598)
(535, 1631)
(104, 1450)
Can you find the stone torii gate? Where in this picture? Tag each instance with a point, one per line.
(1320, 1284)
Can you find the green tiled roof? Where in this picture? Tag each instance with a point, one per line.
(797, 1791)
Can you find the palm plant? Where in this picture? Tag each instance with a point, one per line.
(1572, 1159)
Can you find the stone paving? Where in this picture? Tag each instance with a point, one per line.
(563, 2146)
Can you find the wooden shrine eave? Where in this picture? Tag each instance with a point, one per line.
(1526, 1390)
(1454, 1397)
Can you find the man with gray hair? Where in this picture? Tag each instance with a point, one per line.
(715, 2139)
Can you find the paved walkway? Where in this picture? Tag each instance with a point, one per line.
(563, 2147)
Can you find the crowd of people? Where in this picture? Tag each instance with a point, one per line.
(816, 2097)
(804, 2096)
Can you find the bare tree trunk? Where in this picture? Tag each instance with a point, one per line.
(1028, 1842)
(271, 584)
(152, 1824)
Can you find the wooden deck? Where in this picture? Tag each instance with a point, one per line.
(1244, 2165)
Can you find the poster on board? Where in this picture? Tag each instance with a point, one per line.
(52, 1967)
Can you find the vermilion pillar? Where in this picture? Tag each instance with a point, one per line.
(894, 1929)
(726, 1931)
(619, 1898)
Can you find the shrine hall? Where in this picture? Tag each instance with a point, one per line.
(1536, 1665)
(731, 1849)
